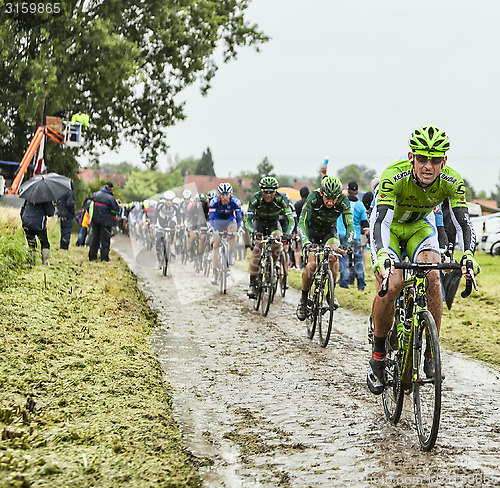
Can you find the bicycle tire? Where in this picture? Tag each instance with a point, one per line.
(283, 276)
(426, 391)
(184, 249)
(165, 256)
(258, 290)
(392, 396)
(326, 309)
(312, 310)
(267, 287)
(223, 270)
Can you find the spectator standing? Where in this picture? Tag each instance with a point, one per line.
(360, 222)
(296, 243)
(104, 213)
(34, 220)
(83, 222)
(66, 213)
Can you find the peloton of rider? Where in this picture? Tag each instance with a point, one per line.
(166, 216)
(262, 218)
(317, 225)
(408, 191)
(224, 214)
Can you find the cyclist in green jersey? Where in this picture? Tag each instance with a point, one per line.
(401, 221)
(318, 225)
(264, 210)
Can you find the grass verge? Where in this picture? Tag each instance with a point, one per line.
(83, 402)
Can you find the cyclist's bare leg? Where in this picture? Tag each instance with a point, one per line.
(433, 287)
(201, 243)
(231, 242)
(255, 256)
(215, 252)
(308, 272)
(383, 308)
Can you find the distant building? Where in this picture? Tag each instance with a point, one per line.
(242, 186)
(89, 175)
(487, 206)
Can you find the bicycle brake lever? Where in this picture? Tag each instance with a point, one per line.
(469, 283)
(385, 283)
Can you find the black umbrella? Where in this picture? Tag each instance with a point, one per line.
(450, 285)
(45, 188)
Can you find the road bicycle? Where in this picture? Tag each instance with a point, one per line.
(413, 359)
(321, 300)
(268, 275)
(223, 264)
(164, 253)
(281, 274)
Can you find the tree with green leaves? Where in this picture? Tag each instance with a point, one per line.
(141, 185)
(123, 62)
(355, 172)
(206, 164)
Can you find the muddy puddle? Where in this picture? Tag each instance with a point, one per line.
(261, 405)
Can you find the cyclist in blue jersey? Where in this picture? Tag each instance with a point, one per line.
(224, 214)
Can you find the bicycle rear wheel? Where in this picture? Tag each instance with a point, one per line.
(427, 385)
(282, 278)
(312, 310)
(392, 396)
(326, 309)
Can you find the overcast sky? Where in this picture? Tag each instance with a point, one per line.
(349, 81)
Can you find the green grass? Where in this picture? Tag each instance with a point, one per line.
(83, 401)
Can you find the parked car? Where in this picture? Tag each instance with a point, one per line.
(491, 243)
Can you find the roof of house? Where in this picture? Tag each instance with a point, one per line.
(88, 175)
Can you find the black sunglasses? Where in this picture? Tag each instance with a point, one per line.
(269, 191)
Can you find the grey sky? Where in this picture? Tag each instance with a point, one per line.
(349, 81)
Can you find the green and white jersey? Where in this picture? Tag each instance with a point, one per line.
(318, 217)
(412, 202)
(268, 213)
(402, 213)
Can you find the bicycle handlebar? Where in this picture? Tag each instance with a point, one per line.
(422, 266)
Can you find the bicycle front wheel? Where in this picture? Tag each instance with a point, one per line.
(267, 286)
(427, 380)
(312, 310)
(164, 247)
(283, 273)
(326, 309)
(223, 269)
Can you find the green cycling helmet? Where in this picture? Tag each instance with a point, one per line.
(331, 187)
(268, 183)
(429, 141)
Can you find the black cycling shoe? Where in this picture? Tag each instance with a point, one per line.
(252, 292)
(375, 376)
(302, 310)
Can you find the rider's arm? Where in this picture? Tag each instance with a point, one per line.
(305, 217)
(237, 212)
(465, 228)
(382, 226)
(250, 216)
(349, 226)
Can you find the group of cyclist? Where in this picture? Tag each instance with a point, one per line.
(401, 224)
